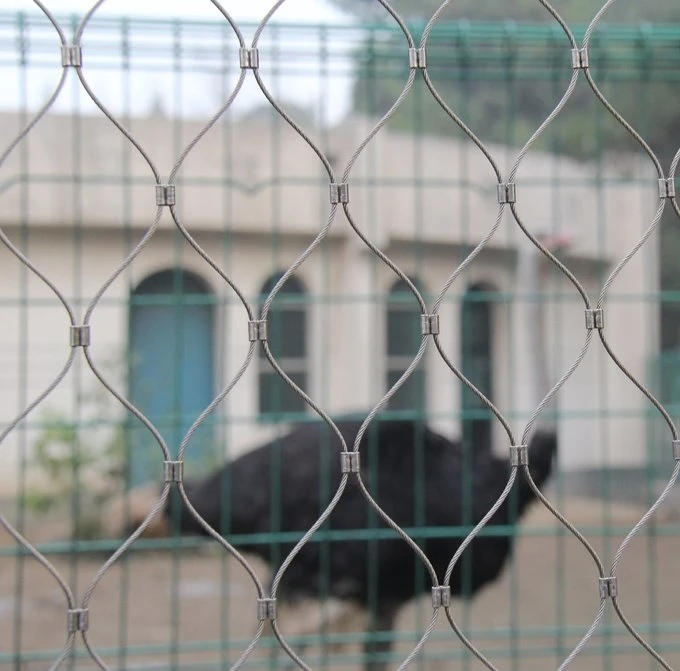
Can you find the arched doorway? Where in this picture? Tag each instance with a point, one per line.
(171, 378)
(477, 365)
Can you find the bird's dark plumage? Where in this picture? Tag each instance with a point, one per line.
(421, 479)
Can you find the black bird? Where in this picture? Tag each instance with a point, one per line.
(420, 478)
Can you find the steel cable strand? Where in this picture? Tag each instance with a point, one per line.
(202, 253)
(387, 261)
(272, 360)
(454, 560)
(21, 540)
(360, 234)
(485, 241)
(619, 554)
(420, 554)
(292, 269)
(205, 256)
(650, 397)
(362, 145)
(548, 398)
(393, 266)
(117, 272)
(436, 306)
(557, 109)
(482, 523)
(649, 514)
(163, 496)
(4, 522)
(468, 260)
(274, 103)
(600, 303)
(563, 379)
(95, 99)
(127, 261)
(224, 543)
(591, 551)
(138, 248)
(15, 251)
(435, 310)
(444, 105)
(159, 508)
(475, 531)
(318, 239)
(600, 96)
(318, 410)
(671, 176)
(44, 108)
(531, 141)
(98, 295)
(102, 290)
(222, 109)
(296, 550)
(49, 567)
(210, 408)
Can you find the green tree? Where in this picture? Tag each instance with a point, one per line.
(504, 78)
(572, 11)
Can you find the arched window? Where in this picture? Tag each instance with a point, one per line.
(171, 368)
(477, 363)
(287, 338)
(404, 334)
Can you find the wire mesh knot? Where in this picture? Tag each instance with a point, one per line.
(173, 471)
(257, 330)
(339, 193)
(429, 324)
(579, 59)
(266, 609)
(77, 619)
(417, 59)
(608, 587)
(667, 188)
(519, 455)
(165, 195)
(349, 462)
(71, 56)
(441, 596)
(507, 193)
(80, 336)
(594, 319)
(249, 58)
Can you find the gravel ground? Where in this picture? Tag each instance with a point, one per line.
(204, 605)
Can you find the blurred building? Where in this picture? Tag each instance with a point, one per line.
(170, 333)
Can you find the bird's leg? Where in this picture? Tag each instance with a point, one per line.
(378, 644)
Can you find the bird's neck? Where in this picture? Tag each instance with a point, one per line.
(531, 280)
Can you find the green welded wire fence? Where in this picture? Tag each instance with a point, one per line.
(74, 194)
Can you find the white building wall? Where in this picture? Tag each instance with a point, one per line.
(78, 236)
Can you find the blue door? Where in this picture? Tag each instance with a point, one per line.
(171, 369)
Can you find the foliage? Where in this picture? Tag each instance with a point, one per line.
(572, 11)
(78, 462)
(503, 84)
(504, 81)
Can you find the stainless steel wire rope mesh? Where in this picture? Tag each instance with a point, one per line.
(74, 60)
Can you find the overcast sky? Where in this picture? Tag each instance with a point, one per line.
(315, 11)
(200, 93)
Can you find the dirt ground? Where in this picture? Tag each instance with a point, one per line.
(196, 609)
